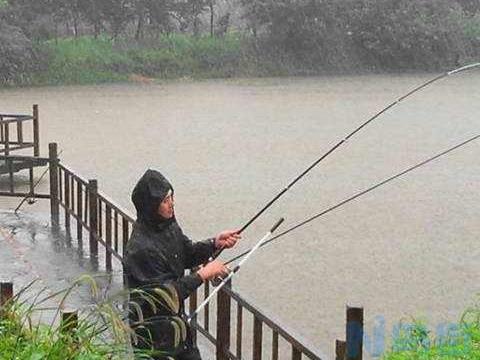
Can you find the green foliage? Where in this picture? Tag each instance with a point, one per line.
(415, 342)
(88, 60)
(100, 333)
(365, 34)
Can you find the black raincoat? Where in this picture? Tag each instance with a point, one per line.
(156, 257)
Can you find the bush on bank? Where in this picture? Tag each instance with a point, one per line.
(415, 342)
(349, 35)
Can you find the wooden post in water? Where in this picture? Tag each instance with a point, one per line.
(36, 131)
(223, 324)
(6, 292)
(53, 168)
(354, 343)
(93, 220)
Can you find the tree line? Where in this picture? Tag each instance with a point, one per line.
(283, 36)
(41, 19)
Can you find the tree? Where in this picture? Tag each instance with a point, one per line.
(116, 13)
(471, 7)
(17, 57)
(189, 11)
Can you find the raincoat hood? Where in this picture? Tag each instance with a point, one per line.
(150, 190)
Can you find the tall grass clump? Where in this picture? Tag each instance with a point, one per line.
(87, 60)
(83, 60)
(100, 334)
(414, 341)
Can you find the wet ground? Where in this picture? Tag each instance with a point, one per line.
(32, 252)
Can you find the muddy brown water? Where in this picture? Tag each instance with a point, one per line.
(407, 249)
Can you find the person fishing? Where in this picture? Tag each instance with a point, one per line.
(157, 255)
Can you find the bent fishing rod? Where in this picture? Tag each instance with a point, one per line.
(344, 140)
(359, 194)
(235, 269)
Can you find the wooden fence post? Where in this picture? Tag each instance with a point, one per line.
(36, 131)
(340, 347)
(6, 292)
(67, 201)
(192, 305)
(257, 338)
(93, 220)
(223, 324)
(53, 167)
(80, 216)
(354, 343)
(108, 237)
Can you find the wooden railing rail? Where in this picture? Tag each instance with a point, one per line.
(103, 221)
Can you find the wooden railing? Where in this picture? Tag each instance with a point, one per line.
(229, 303)
(94, 214)
(12, 134)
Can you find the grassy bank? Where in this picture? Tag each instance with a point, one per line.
(457, 341)
(87, 60)
(30, 328)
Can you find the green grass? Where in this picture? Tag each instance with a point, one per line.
(415, 342)
(101, 332)
(86, 60)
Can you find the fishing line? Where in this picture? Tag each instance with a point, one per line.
(344, 140)
(359, 194)
(31, 197)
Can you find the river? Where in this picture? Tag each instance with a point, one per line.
(408, 249)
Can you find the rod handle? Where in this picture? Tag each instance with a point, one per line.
(277, 224)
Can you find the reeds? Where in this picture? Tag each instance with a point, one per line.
(100, 332)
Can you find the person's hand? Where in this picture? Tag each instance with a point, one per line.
(213, 270)
(227, 239)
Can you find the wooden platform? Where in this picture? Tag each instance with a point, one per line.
(17, 165)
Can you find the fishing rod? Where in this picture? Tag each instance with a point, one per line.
(359, 194)
(235, 269)
(345, 139)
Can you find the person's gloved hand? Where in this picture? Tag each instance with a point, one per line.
(213, 270)
(227, 239)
